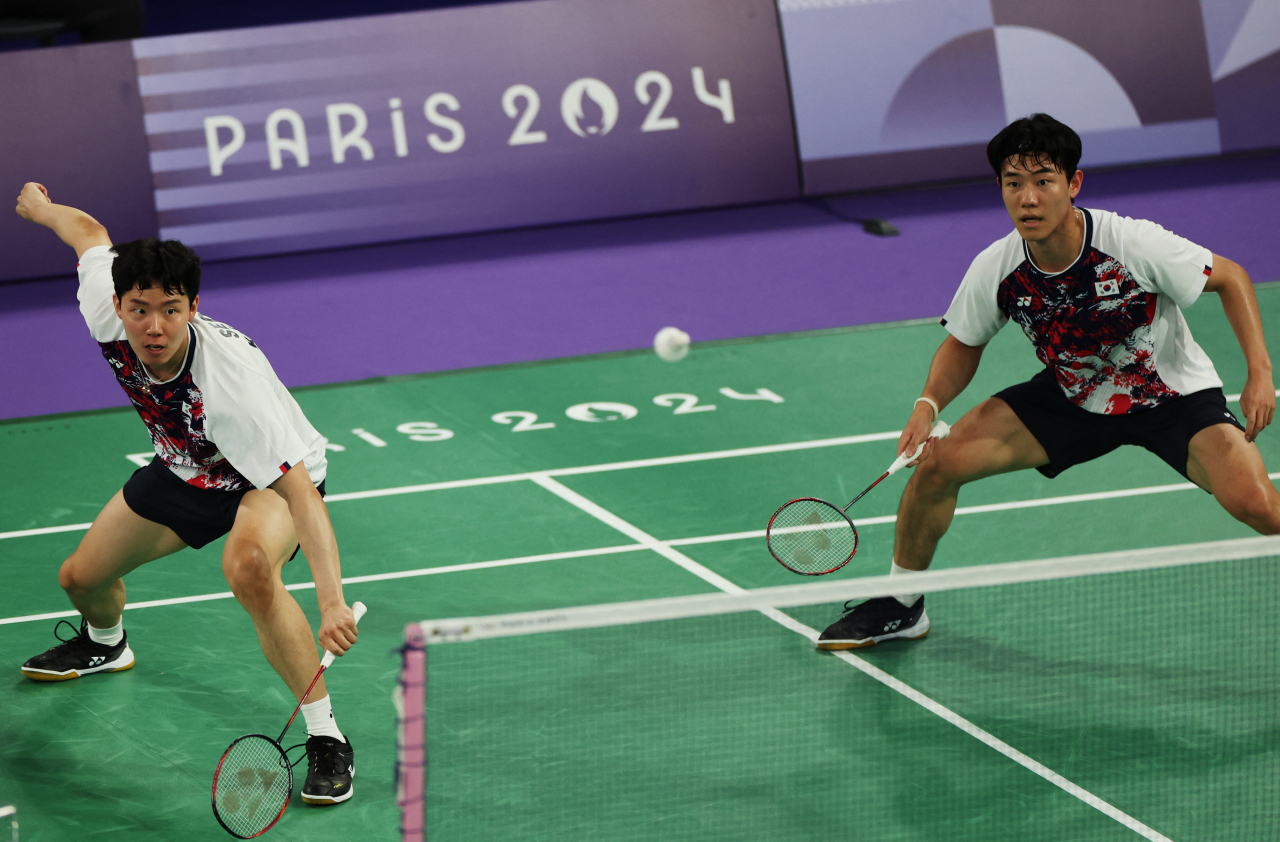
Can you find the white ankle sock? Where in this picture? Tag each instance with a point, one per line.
(320, 721)
(110, 637)
(907, 599)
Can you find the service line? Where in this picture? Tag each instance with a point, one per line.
(664, 460)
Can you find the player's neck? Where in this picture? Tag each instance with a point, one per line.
(1060, 249)
(170, 369)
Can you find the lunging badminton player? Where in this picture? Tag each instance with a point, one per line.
(235, 457)
(1098, 295)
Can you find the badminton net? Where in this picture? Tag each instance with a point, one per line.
(1103, 695)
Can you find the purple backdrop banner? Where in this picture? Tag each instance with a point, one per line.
(353, 131)
(73, 122)
(888, 93)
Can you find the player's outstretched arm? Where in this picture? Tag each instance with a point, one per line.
(315, 534)
(952, 368)
(75, 227)
(1258, 397)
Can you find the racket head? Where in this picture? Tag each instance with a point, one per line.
(811, 537)
(251, 786)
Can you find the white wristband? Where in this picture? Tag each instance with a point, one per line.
(932, 403)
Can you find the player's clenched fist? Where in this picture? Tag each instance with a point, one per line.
(337, 630)
(32, 196)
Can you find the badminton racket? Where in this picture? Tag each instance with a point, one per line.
(254, 779)
(812, 537)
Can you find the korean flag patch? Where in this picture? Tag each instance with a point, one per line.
(1108, 287)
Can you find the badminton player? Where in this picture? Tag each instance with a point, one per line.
(1098, 295)
(235, 457)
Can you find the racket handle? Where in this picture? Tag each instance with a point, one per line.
(358, 610)
(940, 431)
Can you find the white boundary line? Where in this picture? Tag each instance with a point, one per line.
(555, 472)
(1001, 746)
(889, 681)
(676, 460)
(675, 542)
(1234, 398)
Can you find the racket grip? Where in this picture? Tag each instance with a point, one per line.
(358, 610)
(940, 431)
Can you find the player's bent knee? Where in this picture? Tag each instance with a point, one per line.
(1256, 508)
(943, 471)
(73, 578)
(251, 577)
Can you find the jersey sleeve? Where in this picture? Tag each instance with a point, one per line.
(251, 428)
(974, 317)
(96, 289)
(1165, 263)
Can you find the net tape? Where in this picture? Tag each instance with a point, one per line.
(462, 629)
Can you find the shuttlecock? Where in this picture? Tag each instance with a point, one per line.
(671, 343)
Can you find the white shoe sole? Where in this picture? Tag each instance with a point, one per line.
(121, 662)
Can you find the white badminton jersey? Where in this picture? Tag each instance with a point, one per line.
(225, 421)
(1109, 326)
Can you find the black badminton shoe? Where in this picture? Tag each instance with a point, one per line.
(330, 767)
(77, 656)
(875, 621)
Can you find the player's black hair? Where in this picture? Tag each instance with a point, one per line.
(1035, 138)
(150, 262)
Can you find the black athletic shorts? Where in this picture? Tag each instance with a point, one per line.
(197, 515)
(1071, 435)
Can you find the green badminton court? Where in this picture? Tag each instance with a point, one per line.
(1149, 701)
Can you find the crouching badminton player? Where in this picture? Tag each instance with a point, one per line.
(236, 457)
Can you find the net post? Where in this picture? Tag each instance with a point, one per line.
(412, 758)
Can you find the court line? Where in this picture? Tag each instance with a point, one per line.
(555, 472)
(907, 691)
(1234, 398)
(351, 580)
(674, 542)
(668, 460)
(584, 469)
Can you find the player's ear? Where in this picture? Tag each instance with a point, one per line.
(115, 302)
(195, 304)
(1076, 180)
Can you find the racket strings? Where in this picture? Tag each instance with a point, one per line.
(810, 536)
(253, 785)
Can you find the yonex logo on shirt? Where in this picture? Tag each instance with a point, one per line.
(1024, 301)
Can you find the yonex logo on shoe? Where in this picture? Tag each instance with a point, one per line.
(95, 660)
(892, 626)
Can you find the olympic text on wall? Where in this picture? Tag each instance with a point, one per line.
(391, 127)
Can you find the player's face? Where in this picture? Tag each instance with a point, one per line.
(155, 323)
(1038, 196)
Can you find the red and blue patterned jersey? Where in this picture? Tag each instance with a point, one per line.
(225, 421)
(1109, 326)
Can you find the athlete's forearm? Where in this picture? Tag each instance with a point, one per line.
(1240, 303)
(951, 371)
(315, 534)
(73, 226)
